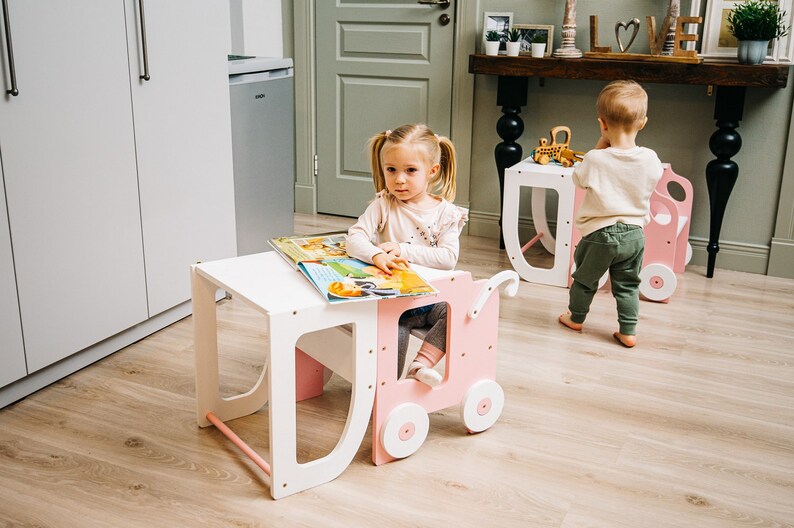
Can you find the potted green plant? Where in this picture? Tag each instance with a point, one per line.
(754, 23)
(492, 41)
(513, 42)
(538, 44)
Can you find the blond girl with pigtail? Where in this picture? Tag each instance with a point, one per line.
(412, 220)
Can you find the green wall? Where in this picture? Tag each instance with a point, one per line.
(679, 127)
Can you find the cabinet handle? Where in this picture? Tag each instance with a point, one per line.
(11, 69)
(145, 75)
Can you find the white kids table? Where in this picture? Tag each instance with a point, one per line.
(540, 178)
(292, 308)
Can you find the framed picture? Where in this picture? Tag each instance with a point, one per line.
(528, 32)
(501, 22)
(717, 43)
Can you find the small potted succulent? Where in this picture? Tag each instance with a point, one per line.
(513, 42)
(538, 44)
(492, 41)
(754, 23)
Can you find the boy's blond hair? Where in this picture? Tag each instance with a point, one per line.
(623, 104)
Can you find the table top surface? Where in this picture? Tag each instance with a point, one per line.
(529, 165)
(706, 73)
(268, 283)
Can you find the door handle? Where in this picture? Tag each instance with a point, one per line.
(444, 19)
(11, 69)
(442, 3)
(145, 75)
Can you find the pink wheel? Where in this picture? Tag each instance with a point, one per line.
(482, 405)
(658, 282)
(405, 430)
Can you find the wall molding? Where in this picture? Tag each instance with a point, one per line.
(781, 258)
(305, 197)
(781, 255)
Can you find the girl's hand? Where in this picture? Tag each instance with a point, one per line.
(389, 261)
(390, 247)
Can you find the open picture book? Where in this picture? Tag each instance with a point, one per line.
(323, 260)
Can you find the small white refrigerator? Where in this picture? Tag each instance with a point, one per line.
(263, 146)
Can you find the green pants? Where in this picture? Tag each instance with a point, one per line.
(617, 248)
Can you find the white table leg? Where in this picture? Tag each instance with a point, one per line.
(288, 476)
(205, 328)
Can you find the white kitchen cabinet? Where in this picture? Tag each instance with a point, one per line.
(12, 353)
(70, 173)
(183, 140)
(114, 185)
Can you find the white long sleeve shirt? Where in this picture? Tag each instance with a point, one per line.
(619, 184)
(426, 237)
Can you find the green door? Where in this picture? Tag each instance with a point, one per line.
(378, 66)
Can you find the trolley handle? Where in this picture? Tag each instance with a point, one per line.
(488, 288)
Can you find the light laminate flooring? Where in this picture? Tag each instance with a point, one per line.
(692, 428)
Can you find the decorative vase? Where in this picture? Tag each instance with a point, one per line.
(513, 48)
(752, 51)
(538, 49)
(492, 47)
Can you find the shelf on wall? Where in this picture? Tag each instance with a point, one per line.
(711, 73)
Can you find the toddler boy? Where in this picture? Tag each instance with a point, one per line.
(619, 177)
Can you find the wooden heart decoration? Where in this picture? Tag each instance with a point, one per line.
(625, 25)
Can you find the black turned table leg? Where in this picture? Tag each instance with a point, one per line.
(511, 95)
(722, 172)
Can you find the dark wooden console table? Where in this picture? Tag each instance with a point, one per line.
(731, 81)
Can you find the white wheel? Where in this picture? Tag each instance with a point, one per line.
(327, 373)
(405, 430)
(601, 281)
(658, 282)
(482, 405)
(688, 253)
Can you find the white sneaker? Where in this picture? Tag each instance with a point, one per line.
(424, 374)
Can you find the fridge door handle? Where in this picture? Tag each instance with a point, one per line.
(14, 91)
(145, 75)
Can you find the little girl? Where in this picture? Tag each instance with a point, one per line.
(407, 222)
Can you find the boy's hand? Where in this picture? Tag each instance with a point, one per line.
(603, 142)
(389, 261)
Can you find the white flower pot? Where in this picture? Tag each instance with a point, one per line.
(752, 51)
(492, 47)
(538, 49)
(513, 48)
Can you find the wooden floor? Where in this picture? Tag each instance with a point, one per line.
(692, 428)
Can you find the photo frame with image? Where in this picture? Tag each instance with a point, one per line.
(528, 32)
(718, 45)
(497, 21)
